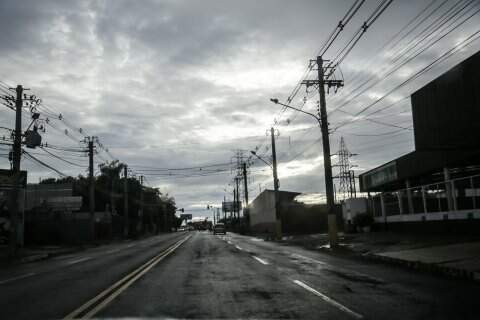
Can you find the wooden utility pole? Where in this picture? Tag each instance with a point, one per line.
(278, 224)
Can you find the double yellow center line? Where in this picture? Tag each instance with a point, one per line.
(94, 305)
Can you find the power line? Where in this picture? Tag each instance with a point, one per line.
(386, 72)
(43, 163)
(444, 56)
(62, 159)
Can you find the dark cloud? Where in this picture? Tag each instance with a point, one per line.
(182, 83)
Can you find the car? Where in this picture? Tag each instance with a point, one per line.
(219, 228)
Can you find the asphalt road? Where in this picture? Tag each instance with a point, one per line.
(199, 275)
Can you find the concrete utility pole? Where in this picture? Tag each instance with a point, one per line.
(91, 179)
(278, 224)
(245, 183)
(332, 219)
(224, 210)
(125, 202)
(237, 180)
(323, 122)
(234, 200)
(141, 202)
(17, 152)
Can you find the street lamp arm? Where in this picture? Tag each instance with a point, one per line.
(268, 164)
(290, 107)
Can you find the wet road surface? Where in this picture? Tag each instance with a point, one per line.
(199, 275)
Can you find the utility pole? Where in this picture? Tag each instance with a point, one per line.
(323, 122)
(332, 219)
(234, 201)
(224, 210)
(278, 224)
(17, 152)
(125, 201)
(91, 179)
(245, 183)
(354, 184)
(141, 204)
(237, 180)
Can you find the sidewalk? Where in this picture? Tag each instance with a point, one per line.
(453, 255)
(37, 253)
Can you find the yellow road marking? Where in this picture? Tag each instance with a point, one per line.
(118, 287)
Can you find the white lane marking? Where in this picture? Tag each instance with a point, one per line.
(18, 278)
(112, 251)
(229, 242)
(328, 300)
(260, 260)
(256, 239)
(307, 258)
(238, 248)
(78, 260)
(130, 245)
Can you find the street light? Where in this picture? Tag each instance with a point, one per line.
(274, 100)
(261, 159)
(332, 223)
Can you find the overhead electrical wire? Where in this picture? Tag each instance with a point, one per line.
(386, 72)
(62, 159)
(43, 163)
(467, 41)
(326, 45)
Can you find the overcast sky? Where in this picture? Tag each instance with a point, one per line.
(175, 84)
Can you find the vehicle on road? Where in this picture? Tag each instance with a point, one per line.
(219, 228)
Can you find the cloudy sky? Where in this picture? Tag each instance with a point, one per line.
(176, 84)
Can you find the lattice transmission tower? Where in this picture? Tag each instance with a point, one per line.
(346, 175)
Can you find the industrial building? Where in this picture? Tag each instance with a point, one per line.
(440, 179)
(296, 217)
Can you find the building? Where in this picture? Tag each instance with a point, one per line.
(440, 179)
(351, 208)
(262, 210)
(296, 217)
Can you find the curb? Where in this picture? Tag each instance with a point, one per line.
(33, 258)
(47, 255)
(431, 268)
(426, 267)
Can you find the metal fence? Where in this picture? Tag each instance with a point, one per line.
(453, 195)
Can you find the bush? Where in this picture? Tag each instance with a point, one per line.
(363, 220)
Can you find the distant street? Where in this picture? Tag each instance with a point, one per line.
(206, 276)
